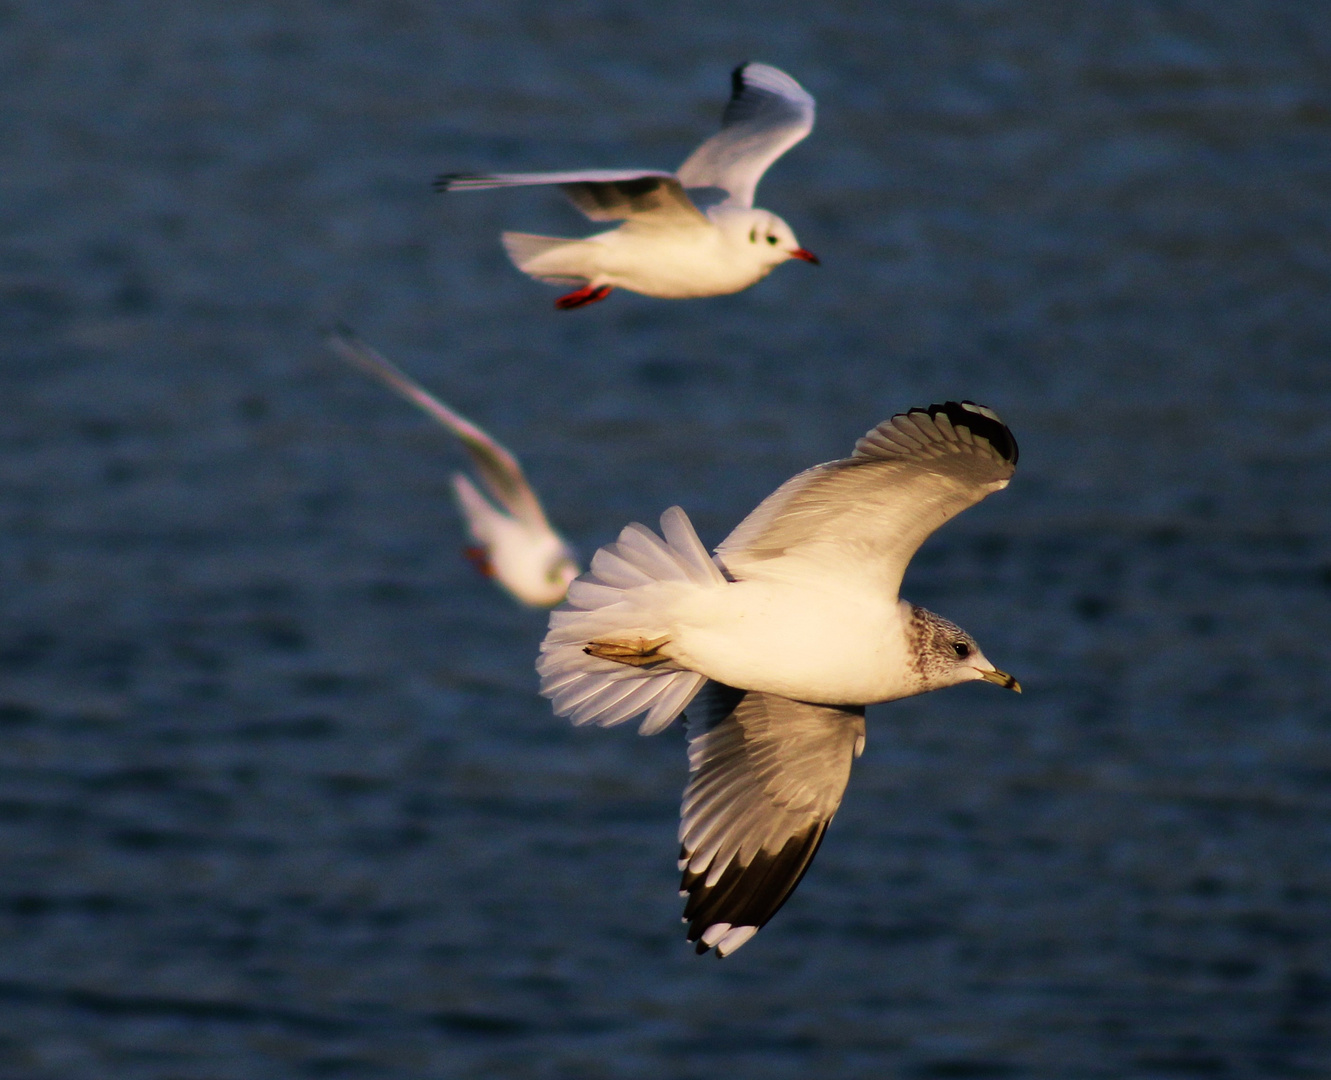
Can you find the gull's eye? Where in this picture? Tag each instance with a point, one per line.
(772, 240)
(753, 235)
(961, 649)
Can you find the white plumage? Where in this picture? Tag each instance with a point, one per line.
(668, 246)
(515, 543)
(783, 638)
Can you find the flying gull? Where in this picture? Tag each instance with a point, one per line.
(514, 542)
(775, 646)
(669, 245)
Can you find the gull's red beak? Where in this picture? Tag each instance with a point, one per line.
(807, 256)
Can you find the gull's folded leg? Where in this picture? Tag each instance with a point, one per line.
(637, 653)
(480, 560)
(582, 297)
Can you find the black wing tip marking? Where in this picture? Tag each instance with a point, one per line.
(339, 331)
(447, 181)
(737, 79)
(980, 421)
(751, 894)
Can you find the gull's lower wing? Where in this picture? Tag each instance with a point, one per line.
(601, 194)
(768, 113)
(766, 774)
(499, 469)
(907, 477)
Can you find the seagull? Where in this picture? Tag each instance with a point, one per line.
(775, 645)
(668, 245)
(514, 542)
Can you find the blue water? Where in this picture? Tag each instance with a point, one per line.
(277, 796)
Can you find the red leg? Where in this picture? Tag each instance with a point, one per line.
(480, 559)
(582, 297)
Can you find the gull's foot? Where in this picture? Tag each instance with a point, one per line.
(637, 653)
(480, 559)
(582, 297)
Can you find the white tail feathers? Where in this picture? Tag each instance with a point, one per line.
(555, 259)
(620, 600)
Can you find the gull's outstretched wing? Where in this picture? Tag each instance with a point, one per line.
(498, 468)
(874, 509)
(602, 194)
(768, 113)
(766, 774)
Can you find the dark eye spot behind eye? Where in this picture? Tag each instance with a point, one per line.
(961, 649)
(753, 236)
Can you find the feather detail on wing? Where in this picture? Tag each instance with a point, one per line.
(766, 776)
(498, 468)
(907, 477)
(643, 196)
(768, 113)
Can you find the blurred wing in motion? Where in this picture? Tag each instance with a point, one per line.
(766, 774)
(644, 196)
(768, 113)
(498, 468)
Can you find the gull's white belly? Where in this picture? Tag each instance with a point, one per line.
(815, 641)
(675, 264)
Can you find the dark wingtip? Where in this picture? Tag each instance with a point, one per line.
(980, 421)
(444, 181)
(337, 334)
(737, 79)
(748, 894)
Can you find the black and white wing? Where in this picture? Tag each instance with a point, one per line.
(873, 510)
(497, 467)
(643, 196)
(768, 113)
(766, 774)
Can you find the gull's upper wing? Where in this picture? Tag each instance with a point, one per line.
(874, 509)
(766, 774)
(602, 194)
(768, 113)
(498, 468)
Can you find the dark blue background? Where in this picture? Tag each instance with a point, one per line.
(277, 796)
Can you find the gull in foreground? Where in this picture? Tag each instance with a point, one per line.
(667, 246)
(515, 544)
(779, 642)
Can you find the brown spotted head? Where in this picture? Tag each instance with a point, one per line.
(943, 654)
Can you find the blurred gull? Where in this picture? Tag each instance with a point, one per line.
(515, 544)
(668, 246)
(783, 637)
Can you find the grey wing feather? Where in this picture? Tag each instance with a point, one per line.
(907, 477)
(498, 468)
(766, 776)
(601, 194)
(768, 113)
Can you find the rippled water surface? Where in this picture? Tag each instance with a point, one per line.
(277, 796)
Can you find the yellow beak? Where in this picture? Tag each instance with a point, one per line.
(1001, 678)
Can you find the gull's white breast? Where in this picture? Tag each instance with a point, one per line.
(677, 264)
(521, 556)
(798, 633)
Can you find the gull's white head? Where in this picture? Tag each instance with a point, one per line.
(943, 654)
(762, 236)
